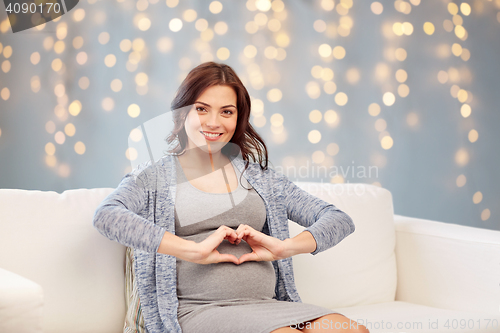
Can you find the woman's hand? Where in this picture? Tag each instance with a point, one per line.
(265, 248)
(206, 252)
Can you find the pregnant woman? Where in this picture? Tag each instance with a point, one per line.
(209, 226)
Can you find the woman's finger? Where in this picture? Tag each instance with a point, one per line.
(225, 257)
(249, 257)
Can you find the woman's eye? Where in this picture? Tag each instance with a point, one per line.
(199, 107)
(230, 112)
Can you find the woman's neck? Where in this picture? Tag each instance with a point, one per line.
(198, 158)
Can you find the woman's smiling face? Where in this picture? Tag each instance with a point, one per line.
(214, 111)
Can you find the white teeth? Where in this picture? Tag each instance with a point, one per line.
(211, 135)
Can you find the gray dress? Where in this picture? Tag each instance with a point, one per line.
(226, 297)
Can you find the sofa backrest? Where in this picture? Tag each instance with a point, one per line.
(49, 238)
(361, 269)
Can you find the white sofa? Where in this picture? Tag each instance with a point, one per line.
(58, 274)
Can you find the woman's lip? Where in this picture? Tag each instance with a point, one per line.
(209, 138)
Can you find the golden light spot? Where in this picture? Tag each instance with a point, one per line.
(215, 7)
(342, 9)
(259, 121)
(78, 15)
(164, 44)
(56, 64)
(138, 44)
(220, 28)
(189, 15)
(133, 110)
(278, 6)
(485, 214)
(144, 24)
(276, 119)
(108, 104)
(448, 25)
(407, 28)
(135, 135)
(141, 79)
(172, 3)
(338, 52)
(125, 45)
(131, 154)
(374, 109)
(462, 96)
(103, 38)
(429, 28)
(69, 129)
(60, 112)
(331, 117)
(453, 75)
(318, 157)
(50, 149)
(403, 90)
(223, 53)
(63, 170)
(377, 8)
(315, 116)
(50, 160)
(327, 5)
(465, 110)
(332, 149)
(465, 8)
(397, 28)
(459, 31)
(456, 49)
(386, 142)
(443, 51)
(274, 95)
(175, 24)
(142, 5)
(327, 74)
(250, 51)
(400, 54)
(59, 47)
(110, 60)
(341, 98)
(442, 77)
(81, 58)
(5, 66)
(251, 27)
(380, 125)
(314, 136)
(462, 157)
(75, 107)
(330, 87)
(83, 82)
(401, 75)
(59, 137)
(35, 58)
(50, 127)
(116, 85)
(454, 90)
(282, 39)
(77, 42)
(319, 25)
(353, 76)
(457, 20)
(337, 179)
(473, 135)
(260, 19)
(274, 25)
(389, 98)
(313, 89)
(270, 52)
(412, 119)
(79, 148)
(382, 71)
(207, 35)
(61, 30)
(452, 8)
(461, 181)
(48, 42)
(465, 54)
(325, 50)
(59, 90)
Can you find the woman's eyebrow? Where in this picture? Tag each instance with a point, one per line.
(225, 106)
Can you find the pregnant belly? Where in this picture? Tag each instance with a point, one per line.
(225, 280)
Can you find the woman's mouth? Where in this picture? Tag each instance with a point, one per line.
(211, 136)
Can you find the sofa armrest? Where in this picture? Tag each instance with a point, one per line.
(448, 266)
(21, 304)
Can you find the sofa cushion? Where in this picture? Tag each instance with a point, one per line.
(49, 239)
(134, 321)
(361, 269)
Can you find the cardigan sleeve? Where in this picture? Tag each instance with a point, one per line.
(328, 224)
(117, 217)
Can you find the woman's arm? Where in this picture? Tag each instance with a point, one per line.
(327, 224)
(117, 218)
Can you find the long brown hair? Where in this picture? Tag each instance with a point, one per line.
(245, 137)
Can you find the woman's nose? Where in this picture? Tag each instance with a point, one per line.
(213, 120)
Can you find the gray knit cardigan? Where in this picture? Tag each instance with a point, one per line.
(139, 211)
